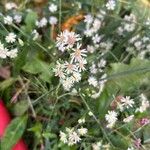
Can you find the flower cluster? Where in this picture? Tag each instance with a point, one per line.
(52, 20)
(5, 52)
(127, 25)
(69, 71)
(72, 136)
(123, 104)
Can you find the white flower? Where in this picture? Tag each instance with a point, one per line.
(76, 76)
(96, 25)
(70, 67)
(8, 20)
(67, 83)
(97, 146)
(10, 5)
(128, 119)
(3, 51)
(66, 40)
(82, 131)
(90, 113)
(81, 64)
(93, 69)
(111, 118)
(73, 138)
(52, 8)
(59, 70)
(88, 19)
(63, 137)
(96, 39)
(90, 48)
(102, 63)
(127, 102)
(17, 18)
(41, 23)
(12, 53)
(82, 120)
(144, 105)
(78, 53)
(111, 4)
(10, 38)
(53, 20)
(92, 81)
(35, 35)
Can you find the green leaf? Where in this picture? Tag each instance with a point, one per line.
(124, 76)
(20, 107)
(37, 66)
(13, 133)
(6, 83)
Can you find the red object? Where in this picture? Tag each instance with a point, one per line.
(4, 121)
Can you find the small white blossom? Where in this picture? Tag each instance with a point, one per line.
(41, 23)
(74, 138)
(12, 53)
(17, 18)
(92, 81)
(63, 137)
(35, 35)
(78, 53)
(111, 118)
(8, 20)
(111, 4)
(53, 20)
(3, 51)
(82, 131)
(144, 104)
(88, 19)
(10, 38)
(81, 121)
(127, 102)
(52, 8)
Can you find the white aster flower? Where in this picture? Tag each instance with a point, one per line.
(52, 8)
(8, 20)
(76, 76)
(17, 18)
(111, 4)
(12, 53)
(35, 35)
(90, 48)
(88, 19)
(81, 121)
(3, 51)
(10, 38)
(41, 23)
(59, 70)
(78, 53)
(92, 81)
(63, 137)
(128, 119)
(96, 39)
(70, 67)
(111, 118)
(53, 20)
(81, 64)
(97, 146)
(67, 83)
(127, 102)
(73, 138)
(82, 131)
(144, 104)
